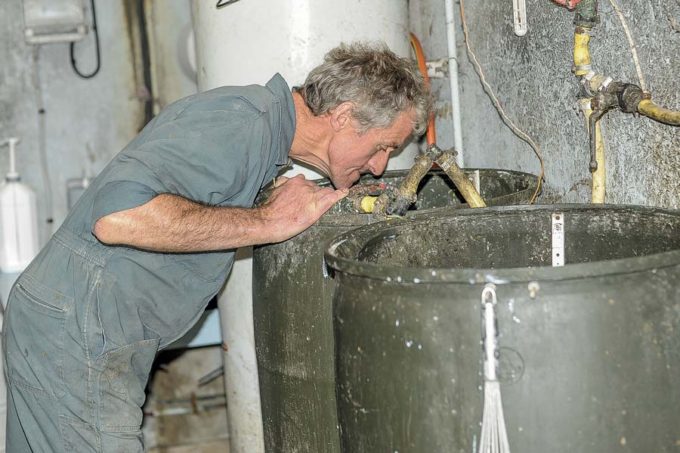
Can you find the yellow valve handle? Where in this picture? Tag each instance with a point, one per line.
(367, 204)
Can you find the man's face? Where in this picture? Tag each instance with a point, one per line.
(352, 154)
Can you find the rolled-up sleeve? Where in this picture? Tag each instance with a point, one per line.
(205, 156)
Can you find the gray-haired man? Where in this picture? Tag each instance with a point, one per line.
(151, 241)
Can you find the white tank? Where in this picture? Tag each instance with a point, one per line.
(247, 42)
(18, 220)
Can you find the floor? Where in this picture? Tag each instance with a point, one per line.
(181, 414)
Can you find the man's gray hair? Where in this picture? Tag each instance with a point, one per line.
(380, 84)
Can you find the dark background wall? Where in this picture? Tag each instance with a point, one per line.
(532, 78)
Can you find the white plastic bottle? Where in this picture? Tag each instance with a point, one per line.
(18, 219)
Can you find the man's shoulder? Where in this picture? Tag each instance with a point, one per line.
(259, 97)
(225, 99)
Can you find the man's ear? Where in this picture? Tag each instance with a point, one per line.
(341, 116)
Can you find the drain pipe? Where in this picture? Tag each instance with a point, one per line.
(453, 82)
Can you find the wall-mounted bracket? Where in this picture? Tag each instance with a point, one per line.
(519, 16)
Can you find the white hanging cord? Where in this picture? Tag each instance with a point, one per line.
(494, 438)
(631, 43)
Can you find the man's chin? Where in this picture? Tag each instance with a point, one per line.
(344, 182)
(339, 185)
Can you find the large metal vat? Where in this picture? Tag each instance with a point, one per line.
(293, 314)
(590, 352)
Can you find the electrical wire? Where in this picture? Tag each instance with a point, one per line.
(631, 43)
(494, 100)
(96, 39)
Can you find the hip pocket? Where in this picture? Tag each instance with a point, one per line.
(123, 375)
(35, 328)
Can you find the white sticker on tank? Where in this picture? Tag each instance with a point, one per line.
(558, 239)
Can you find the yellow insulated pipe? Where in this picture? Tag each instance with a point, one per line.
(406, 191)
(367, 204)
(653, 111)
(581, 51)
(447, 162)
(599, 175)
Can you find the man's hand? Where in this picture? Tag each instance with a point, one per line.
(169, 223)
(295, 204)
(571, 4)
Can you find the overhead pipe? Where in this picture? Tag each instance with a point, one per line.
(453, 82)
(431, 133)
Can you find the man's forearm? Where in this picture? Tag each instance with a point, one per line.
(170, 223)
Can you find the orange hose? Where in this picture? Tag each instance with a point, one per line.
(420, 58)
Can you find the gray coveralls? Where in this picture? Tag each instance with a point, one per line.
(85, 320)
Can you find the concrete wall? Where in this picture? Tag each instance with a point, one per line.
(532, 78)
(86, 121)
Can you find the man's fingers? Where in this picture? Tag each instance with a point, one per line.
(332, 197)
(298, 179)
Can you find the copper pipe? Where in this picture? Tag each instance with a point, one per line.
(420, 58)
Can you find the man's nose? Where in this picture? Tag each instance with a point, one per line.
(378, 163)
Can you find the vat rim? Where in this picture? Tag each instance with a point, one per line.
(335, 254)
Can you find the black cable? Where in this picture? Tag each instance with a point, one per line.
(96, 38)
(222, 3)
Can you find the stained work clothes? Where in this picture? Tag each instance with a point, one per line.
(85, 320)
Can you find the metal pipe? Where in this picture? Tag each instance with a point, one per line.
(599, 175)
(453, 82)
(422, 66)
(447, 162)
(597, 154)
(397, 202)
